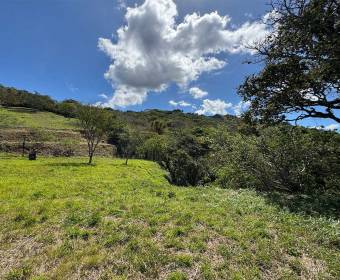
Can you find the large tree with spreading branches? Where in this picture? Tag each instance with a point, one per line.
(301, 74)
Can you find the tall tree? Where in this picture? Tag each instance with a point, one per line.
(301, 76)
(95, 123)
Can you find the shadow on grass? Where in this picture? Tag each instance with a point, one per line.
(70, 164)
(318, 205)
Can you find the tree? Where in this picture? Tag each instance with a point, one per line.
(68, 108)
(154, 148)
(129, 142)
(95, 123)
(301, 77)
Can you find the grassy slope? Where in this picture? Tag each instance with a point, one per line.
(62, 219)
(21, 117)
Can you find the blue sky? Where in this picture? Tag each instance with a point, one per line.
(51, 46)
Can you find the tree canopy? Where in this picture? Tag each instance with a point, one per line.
(95, 124)
(301, 74)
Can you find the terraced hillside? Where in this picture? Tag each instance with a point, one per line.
(51, 133)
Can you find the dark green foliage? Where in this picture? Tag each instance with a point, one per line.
(68, 108)
(282, 158)
(155, 147)
(128, 142)
(158, 126)
(21, 98)
(185, 160)
(302, 69)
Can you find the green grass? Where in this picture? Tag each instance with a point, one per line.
(63, 219)
(22, 117)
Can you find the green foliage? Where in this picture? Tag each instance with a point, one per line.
(95, 124)
(68, 108)
(129, 143)
(284, 158)
(12, 97)
(185, 159)
(301, 73)
(158, 126)
(155, 147)
(177, 275)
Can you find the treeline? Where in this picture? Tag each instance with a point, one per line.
(200, 151)
(282, 157)
(13, 97)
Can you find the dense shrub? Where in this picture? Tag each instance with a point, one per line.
(154, 148)
(185, 158)
(283, 157)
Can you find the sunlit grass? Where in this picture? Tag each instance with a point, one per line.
(21, 117)
(63, 219)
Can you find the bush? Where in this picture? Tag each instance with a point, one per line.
(185, 158)
(282, 158)
(154, 148)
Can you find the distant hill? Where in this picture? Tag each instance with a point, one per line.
(40, 119)
(11, 97)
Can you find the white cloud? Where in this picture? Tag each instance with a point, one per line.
(179, 104)
(213, 107)
(121, 4)
(153, 51)
(241, 107)
(125, 96)
(104, 96)
(334, 126)
(197, 93)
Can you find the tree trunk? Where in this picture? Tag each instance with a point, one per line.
(23, 146)
(126, 160)
(90, 158)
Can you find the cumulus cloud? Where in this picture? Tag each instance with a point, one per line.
(241, 107)
(197, 93)
(152, 50)
(213, 107)
(179, 103)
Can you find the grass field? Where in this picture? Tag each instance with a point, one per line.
(62, 219)
(28, 118)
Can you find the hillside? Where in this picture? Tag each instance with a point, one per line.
(57, 134)
(63, 219)
(52, 133)
(19, 117)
